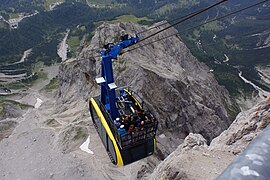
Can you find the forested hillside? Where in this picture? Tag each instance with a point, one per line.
(43, 32)
(233, 44)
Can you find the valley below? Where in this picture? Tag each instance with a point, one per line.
(207, 85)
(53, 137)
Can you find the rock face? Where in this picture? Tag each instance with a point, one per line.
(192, 160)
(10, 110)
(180, 91)
(195, 160)
(6, 128)
(244, 129)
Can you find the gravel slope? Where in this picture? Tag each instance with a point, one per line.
(43, 144)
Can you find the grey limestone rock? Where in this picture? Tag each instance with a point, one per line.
(178, 89)
(247, 125)
(193, 140)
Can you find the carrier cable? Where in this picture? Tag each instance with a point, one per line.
(235, 12)
(187, 29)
(169, 22)
(189, 16)
(186, 18)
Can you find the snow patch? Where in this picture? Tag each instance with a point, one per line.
(38, 103)
(84, 146)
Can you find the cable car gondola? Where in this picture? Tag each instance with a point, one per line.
(132, 146)
(138, 124)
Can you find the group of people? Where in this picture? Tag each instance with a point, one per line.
(133, 121)
(129, 124)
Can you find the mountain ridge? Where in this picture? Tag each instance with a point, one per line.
(187, 98)
(210, 43)
(181, 91)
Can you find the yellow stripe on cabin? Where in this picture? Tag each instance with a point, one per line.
(119, 159)
(155, 144)
(133, 98)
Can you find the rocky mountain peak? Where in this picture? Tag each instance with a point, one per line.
(247, 125)
(210, 161)
(179, 90)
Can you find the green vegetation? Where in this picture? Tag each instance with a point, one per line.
(2, 111)
(52, 123)
(15, 85)
(83, 28)
(25, 84)
(13, 15)
(104, 4)
(213, 26)
(177, 9)
(196, 33)
(6, 125)
(234, 40)
(100, 2)
(165, 9)
(3, 25)
(43, 32)
(53, 85)
(233, 111)
(80, 133)
(4, 102)
(75, 133)
(15, 103)
(6, 128)
(42, 75)
(187, 3)
(170, 7)
(73, 44)
(231, 81)
(130, 18)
